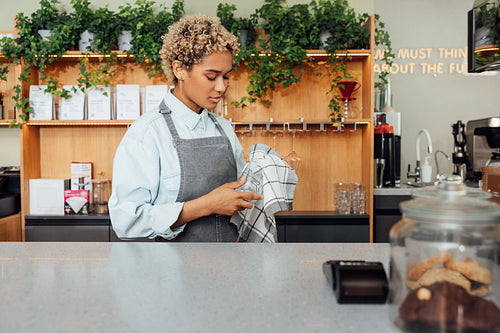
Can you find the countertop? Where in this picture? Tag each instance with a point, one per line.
(160, 287)
(403, 190)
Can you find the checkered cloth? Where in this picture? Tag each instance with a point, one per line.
(257, 224)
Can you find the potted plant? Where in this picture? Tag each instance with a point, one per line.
(241, 27)
(272, 62)
(36, 52)
(97, 26)
(340, 28)
(148, 23)
(48, 17)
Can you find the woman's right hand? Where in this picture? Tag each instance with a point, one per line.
(226, 200)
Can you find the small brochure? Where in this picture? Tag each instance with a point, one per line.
(128, 101)
(41, 102)
(81, 176)
(153, 95)
(72, 108)
(99, 103)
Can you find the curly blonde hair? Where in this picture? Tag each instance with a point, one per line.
(193, 38)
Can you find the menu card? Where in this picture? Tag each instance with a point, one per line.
(41, 102)
(72, 108)
(99, 103)
(128, 101)
(153, 96)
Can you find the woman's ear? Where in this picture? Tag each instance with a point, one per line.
(178, 70)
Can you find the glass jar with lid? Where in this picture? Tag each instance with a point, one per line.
(443, 270)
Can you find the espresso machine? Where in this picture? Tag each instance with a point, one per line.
(461, 162)
(483, 145)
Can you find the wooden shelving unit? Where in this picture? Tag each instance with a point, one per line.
(328, 155)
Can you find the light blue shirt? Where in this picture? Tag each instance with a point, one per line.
(146, 170)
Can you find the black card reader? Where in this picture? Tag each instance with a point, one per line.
(357, 281)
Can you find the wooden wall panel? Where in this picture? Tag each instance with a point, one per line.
(10, 228)
(326, 158)
(61, 145)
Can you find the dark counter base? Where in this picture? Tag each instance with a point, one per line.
(293, 227)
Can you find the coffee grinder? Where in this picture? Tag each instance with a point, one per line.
(384, 153)
(384, 112)
(483, 145)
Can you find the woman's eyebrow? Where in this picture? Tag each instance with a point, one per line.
(217, 71)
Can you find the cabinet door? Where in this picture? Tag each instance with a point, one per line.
(383, 224)
(67, 233)
(327, 233)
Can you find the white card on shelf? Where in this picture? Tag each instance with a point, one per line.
(72, 108)
(153, 95)
(41, 102)
(99, 103)
(128, 101)
(46, 196)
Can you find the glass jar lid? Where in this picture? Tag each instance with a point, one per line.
(451, 202)
(450, 186)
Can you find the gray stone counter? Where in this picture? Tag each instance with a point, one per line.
(160, 287)
(403, 190)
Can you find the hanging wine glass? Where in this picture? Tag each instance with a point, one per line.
(242, 132)
(293, 159)
(274, 132)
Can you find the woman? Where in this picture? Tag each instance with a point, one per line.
(175, 170)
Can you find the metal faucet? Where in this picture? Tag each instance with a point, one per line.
(438, 176)
(416, 173)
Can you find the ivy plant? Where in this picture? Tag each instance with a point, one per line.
(36, 52)
(148, 24)
(277, 61)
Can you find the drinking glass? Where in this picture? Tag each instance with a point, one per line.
(341, 198)
(357, 193)
(253, 182)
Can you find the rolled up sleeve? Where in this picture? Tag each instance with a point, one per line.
(138, 206)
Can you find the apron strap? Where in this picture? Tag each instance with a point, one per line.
(165, 110)
(217, 125)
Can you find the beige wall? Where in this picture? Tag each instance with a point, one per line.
(431, 100)
(426, 100)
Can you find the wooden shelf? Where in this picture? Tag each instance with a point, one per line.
(79, 123)
(5, 122)
(328, 156)
(76, 55)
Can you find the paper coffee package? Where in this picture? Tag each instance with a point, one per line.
(76, 202)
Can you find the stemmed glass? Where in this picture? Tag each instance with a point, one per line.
(274, 132)
(242, 132)
(293, 159)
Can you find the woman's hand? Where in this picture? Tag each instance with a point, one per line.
(226, 200)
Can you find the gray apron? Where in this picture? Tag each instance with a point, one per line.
(205, 163)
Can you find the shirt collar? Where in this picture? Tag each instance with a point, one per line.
(190, 118)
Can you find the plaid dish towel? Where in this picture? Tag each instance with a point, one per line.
(278, 181)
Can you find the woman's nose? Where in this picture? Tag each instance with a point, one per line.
(221, 85)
